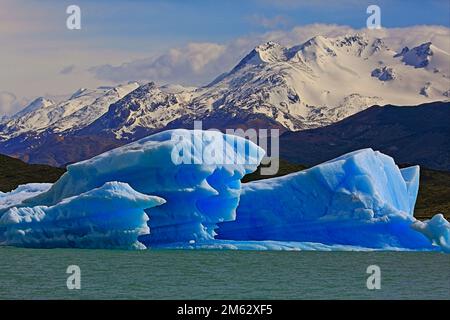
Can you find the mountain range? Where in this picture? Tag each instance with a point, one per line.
(411, 135)
(311, 85)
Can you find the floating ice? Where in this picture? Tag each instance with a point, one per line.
(437, 230)
(359, 199)
(262, 245)
(111, 216)
(22, 192)
(197, 172)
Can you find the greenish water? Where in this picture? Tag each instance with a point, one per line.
(171, 274)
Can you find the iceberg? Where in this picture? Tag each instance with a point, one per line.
(264, 245)
(359, 199)
(197, 172)
(437, 229)
(111, 216)
(22, 192)
(182, 189)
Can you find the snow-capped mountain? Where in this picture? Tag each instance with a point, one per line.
(415, 135)
(38, 103)
(317, 83)
(149, 107)
(83, 107)
(91, 111)
(325, 80)
(310, 85)
(292, 88)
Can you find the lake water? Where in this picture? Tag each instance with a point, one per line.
(176, 274)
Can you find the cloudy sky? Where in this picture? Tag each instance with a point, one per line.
(177, 41)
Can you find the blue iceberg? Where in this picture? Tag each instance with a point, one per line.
(197, 172)
(182, 189)
(15, 197)
(359, 199)
(437, 229)
(111, 216)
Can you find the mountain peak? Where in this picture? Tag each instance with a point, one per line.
(316, 40)
(36, 104)
(41, 101)
(267, 46)
(142, 89)
(359, 38)
(265, 53)
(78, 93)
(312, 49)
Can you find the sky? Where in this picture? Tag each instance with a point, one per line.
(174, 41)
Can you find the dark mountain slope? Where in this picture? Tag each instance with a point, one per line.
(14, 172)
(416, 135)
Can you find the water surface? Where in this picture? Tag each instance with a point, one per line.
(208, 274)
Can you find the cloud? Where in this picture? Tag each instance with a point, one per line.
(199, 63)
(9, 104)
(67, 70)
(188, 64)
(186, 48)
(413, 36)
(269, 23)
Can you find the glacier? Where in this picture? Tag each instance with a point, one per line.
(170, 190)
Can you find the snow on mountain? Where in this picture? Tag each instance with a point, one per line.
(34, 105)
(4, 119)
(309, 85)
(38, 103)
(90, 112)
(147, 107)
(327, 79)
(83, 107)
